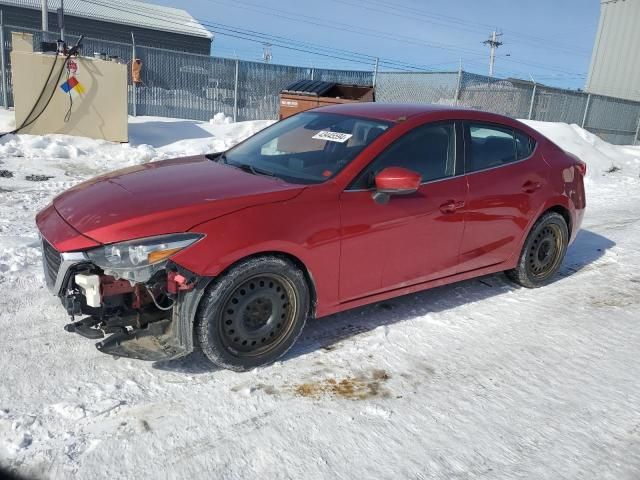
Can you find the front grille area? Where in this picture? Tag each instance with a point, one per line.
(51, 260)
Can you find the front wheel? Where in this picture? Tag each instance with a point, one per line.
(542, 253)
(253, 314)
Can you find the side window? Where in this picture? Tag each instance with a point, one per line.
(524, 145)
(490, 146)
(429, 150)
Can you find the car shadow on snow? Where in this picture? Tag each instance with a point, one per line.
(329, 331)
(587, 248)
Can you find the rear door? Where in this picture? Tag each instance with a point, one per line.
(507, 181)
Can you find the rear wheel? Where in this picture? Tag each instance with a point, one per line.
(543, 252)
(253, 314)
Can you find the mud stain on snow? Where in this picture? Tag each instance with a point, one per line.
(616, 298)
(367, 385)
(359, 387)
(38, 178)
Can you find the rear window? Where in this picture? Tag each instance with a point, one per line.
(492, 146)
(524, 145)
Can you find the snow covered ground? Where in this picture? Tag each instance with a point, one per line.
(476, 380)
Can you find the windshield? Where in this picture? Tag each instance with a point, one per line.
(306, 148)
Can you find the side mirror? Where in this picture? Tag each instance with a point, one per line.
(395, 181)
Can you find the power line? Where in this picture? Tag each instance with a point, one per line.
(294, 45)
(353, 29)
(245, 34)
(237, 34)
(282, 42)
(343, 27)
(463, 25)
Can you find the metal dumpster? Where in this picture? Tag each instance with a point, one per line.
(305, 94)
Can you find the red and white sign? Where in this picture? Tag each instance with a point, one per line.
(72, 66)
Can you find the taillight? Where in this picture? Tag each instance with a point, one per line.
(582, 167)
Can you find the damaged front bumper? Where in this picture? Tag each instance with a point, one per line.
(147, 321)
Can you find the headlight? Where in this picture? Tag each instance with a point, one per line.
(138, 260)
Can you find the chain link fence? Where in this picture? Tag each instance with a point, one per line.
(613, 119)
(494, 95)
(190, 86)
(182, 85)
(432, 87)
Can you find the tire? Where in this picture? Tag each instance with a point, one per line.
(542, 253)
(253, 314)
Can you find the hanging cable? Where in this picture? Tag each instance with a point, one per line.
(67, 116)
(27, 122)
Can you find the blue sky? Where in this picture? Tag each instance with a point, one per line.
(549, 40)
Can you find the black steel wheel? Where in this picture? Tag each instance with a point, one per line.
(542, 257)
(543, 251)
(253, 314)
(258, 314)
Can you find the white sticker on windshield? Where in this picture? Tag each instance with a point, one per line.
(332, 136)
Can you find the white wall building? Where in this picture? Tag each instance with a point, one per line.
(615, 62)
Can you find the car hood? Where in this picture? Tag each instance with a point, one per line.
(164, 197)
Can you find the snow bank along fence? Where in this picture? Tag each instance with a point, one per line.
(181, 85)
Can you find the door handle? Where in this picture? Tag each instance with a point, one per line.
(451, 206)
(530, 187)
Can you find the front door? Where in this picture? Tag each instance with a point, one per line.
(413, 238)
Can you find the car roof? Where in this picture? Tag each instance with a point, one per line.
(384, 111)
(398, 112)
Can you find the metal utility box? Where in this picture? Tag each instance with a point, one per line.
(306, 94)
(88, 98)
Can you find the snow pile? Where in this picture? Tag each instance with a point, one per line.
(185, 137)
(220, 118)
(150, 138)
(601, 157)
(71, 148)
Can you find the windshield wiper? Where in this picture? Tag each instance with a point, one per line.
(251, 169)
(217, 157)
(222, 158)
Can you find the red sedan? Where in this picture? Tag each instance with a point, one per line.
(327, 210)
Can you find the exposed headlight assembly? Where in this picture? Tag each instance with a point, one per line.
(138, 260)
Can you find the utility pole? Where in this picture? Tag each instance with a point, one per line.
(45, 15)
(533, 97)
(458, 84)
(134, 86)
(61, 20)
(493, 43)
(235, 93)
(375, 72)
(5, 101)
(266, 53)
